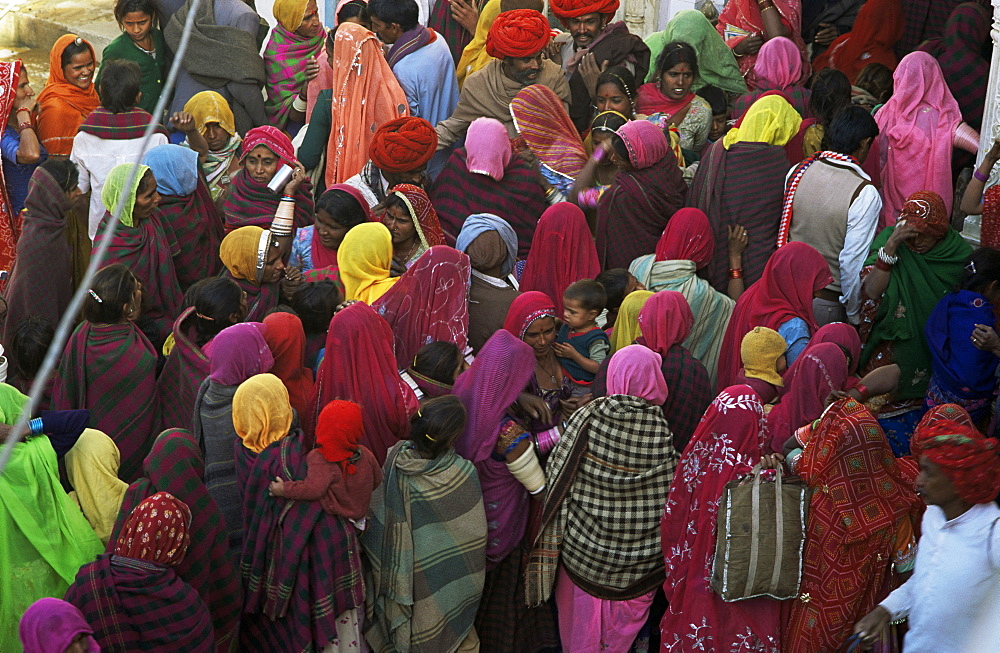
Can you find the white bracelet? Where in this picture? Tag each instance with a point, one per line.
(298, 104)
(886, 258)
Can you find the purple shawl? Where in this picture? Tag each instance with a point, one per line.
(409, 42)
(238, 353)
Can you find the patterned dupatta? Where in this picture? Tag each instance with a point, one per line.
(127, 125)
(285, 60)
(10, 75)
(545, 126)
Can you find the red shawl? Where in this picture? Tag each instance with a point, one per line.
(562, 252)
(744, 16)
(430, 302)
(359, 366)
(688, 237)
(650, 100)
(819, 370)
(785, 291)
(287, 341)
(872, 39)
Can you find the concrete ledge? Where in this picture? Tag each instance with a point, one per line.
(38, 23)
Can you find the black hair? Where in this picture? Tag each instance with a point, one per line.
(76, 47)
(353, 9)
(621, 77)
(437, 425)
(620, 148)
(982, 270)
(589, 293)
(609, 121)
(29, 344)
(674, 53)
(831, 92)
(876, 78)
(120, 82)
(123, 7)
(402, 12)
(111, 289)
(315, 304)
(438, 361)
(716, 99)
(615, 282)
(216, 301)
(394, 201)
(342, 207)
(64, 171)
(848, 128)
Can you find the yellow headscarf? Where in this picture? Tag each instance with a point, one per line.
(627, 325)
(289, 13)
(364, 259)
(207, 107)
(770, 120)
(92, 468)
(474, 56)
(262, 414)
(244, 252)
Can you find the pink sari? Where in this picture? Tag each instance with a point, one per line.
(740, 18)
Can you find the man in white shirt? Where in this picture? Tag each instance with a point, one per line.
(831, 204)
(952, 593)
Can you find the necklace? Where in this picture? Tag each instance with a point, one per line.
(413, 247)
(546, 370)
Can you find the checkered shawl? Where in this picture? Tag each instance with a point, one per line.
(607, 481)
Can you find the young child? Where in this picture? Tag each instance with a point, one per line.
(582, 345)
(342, 472)
(618, 283)
(716, 99)
(763, 355)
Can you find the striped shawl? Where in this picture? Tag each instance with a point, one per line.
(285, 60)
(213, 431)
(177, 386)
(197, 226)
(253, 204)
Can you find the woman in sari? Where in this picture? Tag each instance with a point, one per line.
(599, 549)
(779, 67)
(429, 304)
(314, 249)
(855, 535)
(872, 39)
(359, 366)
(69, 96)
(541, 120)
(740, 181)
(686, 246)
(291, 544)
(426, 516)
(54, 626)
(92, 471)
(921, 121)
(562, 252)
(670, 97)
(186, 208)
(491, 244)
(143, 244)
(746, 26)
(295, 41)
(716, 64)
(215, 122)
(727, 443)
(412, 223)
(46, 537)
(782, 301)
(506, 184)
(646, 192)
(109, 367)
(912, 265)
(626, 325)
(250, 201)
(509, 472)
(133, 598)
(820, 371)
(176, 466)
(238, 353)
(254, 259)
(365, 262)
(286, 339)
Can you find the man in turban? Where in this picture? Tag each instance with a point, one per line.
(953, 597)
(595, 43)
(516, 41)
(398, 154)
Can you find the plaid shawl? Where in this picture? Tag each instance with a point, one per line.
(135, 605)
(111, 370)
(301, 567)
(285, 60)
(123, 126)
(607, 480)
(426, 551)
(251, 203)
(691, 392)
(175, 465)
(177, 386)
(213, 431)
(742, 185)
(197, 227)
(517, 198)
(442, 22)
(959, 51)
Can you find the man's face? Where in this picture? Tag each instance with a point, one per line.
(388, 32)
(523, 70)
(586, 28)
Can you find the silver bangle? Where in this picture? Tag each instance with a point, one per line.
(886, 258)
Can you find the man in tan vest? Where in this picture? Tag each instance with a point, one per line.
(831, 204)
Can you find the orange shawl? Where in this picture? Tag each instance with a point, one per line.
(63, 106)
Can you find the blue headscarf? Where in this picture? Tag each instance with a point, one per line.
(175, 168)
(480, 223)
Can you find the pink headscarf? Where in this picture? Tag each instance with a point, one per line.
(646, 143)
(487, 148)
(635, 370)
(562, 252)
(779, 64)
(50, 626)
(917, 124)
(688, 237)
(665, 320)
(273, 139)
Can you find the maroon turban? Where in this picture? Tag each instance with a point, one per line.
(518, 33)
(403, 144)
(969, 460)
(564, 9)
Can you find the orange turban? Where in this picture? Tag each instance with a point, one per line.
(518, 33)
(403, 144)
(564, 9)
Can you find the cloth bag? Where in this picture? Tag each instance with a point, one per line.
(760, 534)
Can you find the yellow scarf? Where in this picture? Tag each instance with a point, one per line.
(770, 120)
(92, 469)
(627, 325)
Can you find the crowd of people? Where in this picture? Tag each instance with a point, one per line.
(446, 326)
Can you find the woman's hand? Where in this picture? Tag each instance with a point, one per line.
(465, 14)
(826, 35)
(535, 407)
(984, 338)
(298, 176)
(312, 72)
(398, 268)
(738, 240)
(749, 45)
(904, 231)
(771, 461)
(871, 625)
(183, 122)
(342, 305)
(291, 282)
(27, 103)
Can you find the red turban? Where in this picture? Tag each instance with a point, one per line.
(564, 9)
(969, 460)
(518, 33)
(403, 144)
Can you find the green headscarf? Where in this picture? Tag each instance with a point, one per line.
(114, 186)
(716, 63)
